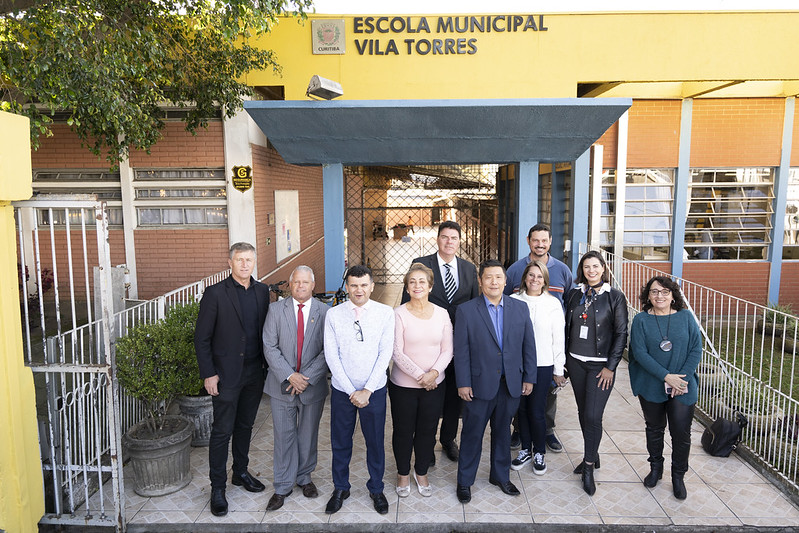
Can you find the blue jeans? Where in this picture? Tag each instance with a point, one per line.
(342, 427)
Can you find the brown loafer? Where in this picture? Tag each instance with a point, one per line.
(276, 501)
(309, 490)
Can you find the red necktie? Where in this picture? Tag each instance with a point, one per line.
(300, 335)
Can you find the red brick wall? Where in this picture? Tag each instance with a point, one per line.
(654, 134)
(170, 258)
(116, 241)
(789, 285)
(271, 173)
(610, 143)
(743, 280)
(737, 132)
(63, 150)
(179, 148)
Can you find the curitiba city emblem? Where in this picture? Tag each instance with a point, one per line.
(328, 34)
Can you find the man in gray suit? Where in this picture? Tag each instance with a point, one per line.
(296, 384)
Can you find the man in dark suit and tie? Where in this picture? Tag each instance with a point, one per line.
(455, 282)
(296, 384)
(495, 363)
(227, 339)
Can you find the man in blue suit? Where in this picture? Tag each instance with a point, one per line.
(495, 363)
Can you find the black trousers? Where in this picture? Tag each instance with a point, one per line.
(234, 415)
(415, 416)
(451, 412)
(679, 417)
(591, 402)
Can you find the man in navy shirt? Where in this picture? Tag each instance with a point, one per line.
(539, 238)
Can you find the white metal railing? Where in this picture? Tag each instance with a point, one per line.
(748, 364)
(86, 411)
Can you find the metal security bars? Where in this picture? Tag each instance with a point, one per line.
(77, 399)
(749, 364)
(392, 214)
(69, 330)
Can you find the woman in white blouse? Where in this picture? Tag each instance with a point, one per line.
(422, 350)
(546, 313)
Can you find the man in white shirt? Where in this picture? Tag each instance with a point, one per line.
(359, 341)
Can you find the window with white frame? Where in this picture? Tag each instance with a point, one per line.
(104, 185)
(790, 241)
(648, 208)
(180, 197)
(729, 215)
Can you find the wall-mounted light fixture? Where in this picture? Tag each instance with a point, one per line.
(324, 89)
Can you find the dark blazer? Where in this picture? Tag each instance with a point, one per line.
(611, 324)
(219, 338)
(478, 359)
(467, 284)
(280, 350)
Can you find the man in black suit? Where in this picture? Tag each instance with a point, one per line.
(455, 283)
(229, 349)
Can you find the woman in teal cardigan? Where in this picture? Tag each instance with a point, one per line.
(665, 349)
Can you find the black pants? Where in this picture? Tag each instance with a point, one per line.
(591, 402)
(415, 416)
(234, 415)
(532, 413)
(451, 412)
(679, 417)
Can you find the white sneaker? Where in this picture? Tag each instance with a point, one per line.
(539, 464)
(522, 459)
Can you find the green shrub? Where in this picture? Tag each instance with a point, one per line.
(776, 318)
(156, 362)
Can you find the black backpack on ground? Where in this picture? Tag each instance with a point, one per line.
(723, 436)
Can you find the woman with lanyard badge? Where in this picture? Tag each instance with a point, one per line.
(596, 335)
(665, 349)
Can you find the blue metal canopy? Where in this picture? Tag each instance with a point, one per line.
(383, 132)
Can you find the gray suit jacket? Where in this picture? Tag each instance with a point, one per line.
(280, 349)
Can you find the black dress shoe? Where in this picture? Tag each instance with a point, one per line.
(380, 501)
(655, 473)
(335, 501)
(309, 490)
(248, 482)
(678, 484)
(507, 487)
(464, 493)
(450, 449)
(276, 501)
(588, 479)
(218, 502)
(579, 468)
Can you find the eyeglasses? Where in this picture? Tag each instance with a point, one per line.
(358, 331)
(664, 292)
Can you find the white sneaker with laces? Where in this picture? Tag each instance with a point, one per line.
(522, 459)
(539, 464)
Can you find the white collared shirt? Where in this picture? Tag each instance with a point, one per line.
(453, 268)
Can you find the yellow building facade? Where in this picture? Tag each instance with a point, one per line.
(22, 498)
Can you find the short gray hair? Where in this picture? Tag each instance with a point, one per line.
(302, 268)
(241, 247)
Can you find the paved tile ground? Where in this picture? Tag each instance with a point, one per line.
(721, 492)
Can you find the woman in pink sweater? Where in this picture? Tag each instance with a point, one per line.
(422, 350)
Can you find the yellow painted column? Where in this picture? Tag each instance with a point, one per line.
(21, 492)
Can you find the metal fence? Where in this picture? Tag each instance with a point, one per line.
(68, 332)
(748, 365)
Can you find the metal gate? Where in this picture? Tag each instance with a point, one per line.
(392, 214)
(66, 305)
